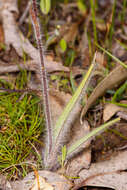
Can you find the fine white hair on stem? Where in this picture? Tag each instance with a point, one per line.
(43, 76)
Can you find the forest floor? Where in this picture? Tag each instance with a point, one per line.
(70, 34)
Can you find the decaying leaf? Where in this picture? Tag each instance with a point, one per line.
(118, 75)
(116, 181)
(58, 100)
(110, 110)
(82, 160)
(41, 184)
(110, 173)
(58, 182)
(122, 114)
(30, 66)
(72, 32)
(101, 26)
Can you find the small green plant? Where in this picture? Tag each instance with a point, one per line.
(81, 5)
(57, 137)
(21, 124)
(62, 158)
(45, 6)
(63, 45)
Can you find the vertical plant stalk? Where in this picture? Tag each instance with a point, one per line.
(92, 4)
(43, 76)
(111, 29)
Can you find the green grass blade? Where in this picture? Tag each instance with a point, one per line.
(90, 135)
(113, 57)
(72, 102)
(124, 11)
(119, 92)
(92, 4)
(111, 29)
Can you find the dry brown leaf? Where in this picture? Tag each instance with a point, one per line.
(110, 110)
(110, 173)
(58, 182)
(58, 100)
(101, 26)
(118, 75)
(72, 32)
(83, 159)
(118, 50)
(79, 162)
(41, 184)
(30, 66)
(116, 181)
(122, 115)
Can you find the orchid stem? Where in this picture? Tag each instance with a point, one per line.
(43, 74)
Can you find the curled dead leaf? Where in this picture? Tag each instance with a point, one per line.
(110, 173)
(110, 110)
(118, 75)
(48, 180)
(41, 184)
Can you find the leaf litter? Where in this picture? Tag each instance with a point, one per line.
(113, 178)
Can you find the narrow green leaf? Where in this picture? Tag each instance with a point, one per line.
(90, 135)
(64, 153)
(119, 92)
(93, 12)
(45, 6)
(64, 116)
(81, 6)
(118, 104)
(111, 29)
(112, 56)
(72, 83)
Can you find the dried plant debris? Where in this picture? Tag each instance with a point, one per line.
(49, 180)
(112, 109)
(116, 76)
(17, 39)
(111, 173)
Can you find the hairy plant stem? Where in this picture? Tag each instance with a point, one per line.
(43, 76)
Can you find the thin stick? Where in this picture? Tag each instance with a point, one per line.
(43, 75)
(22, 18)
